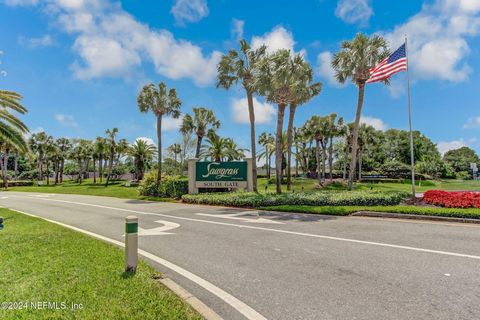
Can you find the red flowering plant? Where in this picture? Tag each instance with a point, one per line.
(452, 199)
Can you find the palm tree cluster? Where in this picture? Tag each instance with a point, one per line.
(12, 131)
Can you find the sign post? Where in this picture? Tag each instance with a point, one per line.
(230, 174)
(131, 244)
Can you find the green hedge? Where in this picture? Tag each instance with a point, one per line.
(17, 184)
(170, 186)
(324, 198)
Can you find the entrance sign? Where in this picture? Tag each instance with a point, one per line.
(231, 174)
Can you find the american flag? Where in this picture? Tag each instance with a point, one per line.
(396, 62)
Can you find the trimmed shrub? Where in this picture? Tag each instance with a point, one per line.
(170, 186)
(28, 175)
(322, 198)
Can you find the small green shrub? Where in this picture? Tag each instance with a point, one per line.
(170, 186)
(323, 198)
(28, 175)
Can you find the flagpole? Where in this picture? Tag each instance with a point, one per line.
(412, 158)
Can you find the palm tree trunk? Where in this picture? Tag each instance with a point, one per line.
(199, 144)
(61, 170)
(330, 159)
(360, 156)
(94, 172)
(80, 171)
(251, 113)
(100, 168)
(159, 141)
(110, 167)
(5, 168)
(278, 145)
(291, 117)
(296, 161)
(15, 166)
(317, 156)
(361, 95)
(48, 173)
(345, 160)
(57, 167)
(324, 157)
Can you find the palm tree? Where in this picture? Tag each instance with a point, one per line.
(141, 151)
(301, 96)
(201, 123)
(317, 129)
(175, 149)
(81, 153)
(161, 102)
(220, 149)
(353, 62)
(267, 140)
(64, 145)
(99, 154)
(280, 78)
(366, 137)
(12, 130)
(111, 147)
(333, 130)
(240, 67)
(39, 143)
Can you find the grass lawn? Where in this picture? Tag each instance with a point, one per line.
(115, 189)
(41, 261)
(471, 213)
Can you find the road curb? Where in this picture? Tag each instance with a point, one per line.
(193, 301)
(412, 217)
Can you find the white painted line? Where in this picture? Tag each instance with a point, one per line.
(238, 305)
(380, 244)
(159, 231)
(239, 217)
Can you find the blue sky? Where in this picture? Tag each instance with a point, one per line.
(80, 63)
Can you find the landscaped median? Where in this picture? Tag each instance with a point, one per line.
(51, 272)
(340, 203)
(319, 198)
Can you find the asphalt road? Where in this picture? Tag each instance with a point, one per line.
(291, 266)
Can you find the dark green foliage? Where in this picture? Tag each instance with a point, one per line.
(170, 186)
(325, 198)
(460, 159)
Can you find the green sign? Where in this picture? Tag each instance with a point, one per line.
(234, 171)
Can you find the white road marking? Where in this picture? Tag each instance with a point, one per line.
(41, 195)
(159, 231)
(3, 197)
(239, 217)
(238, 305)
(448, 274)
(380, 244)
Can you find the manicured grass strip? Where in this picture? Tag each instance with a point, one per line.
(346, 210)
(116, 189)
(41, 261)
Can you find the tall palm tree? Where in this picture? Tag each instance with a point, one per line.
(201, 123)
(111, 147)
(300, 97)
(237, 67)
(39, 143)
(11, 128)
(142, 152)
(161, 102)
(220, 149)
(267, 140)
(175, 149)
(99, 154)
(317, 129)
(366, 137)
(64, 144)
(280, 78)
(353, 62)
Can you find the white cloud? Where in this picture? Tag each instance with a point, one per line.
(66, 120)
(324, 68)
(171, 124)
(278, 38)
(444, 146)
(377, 123)
(237, 29)
(43, 41)
(189, 10)
(147, 140)
(473, 122)
(437, 39)
(264, 112)
(354, 11)
(112, 43)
